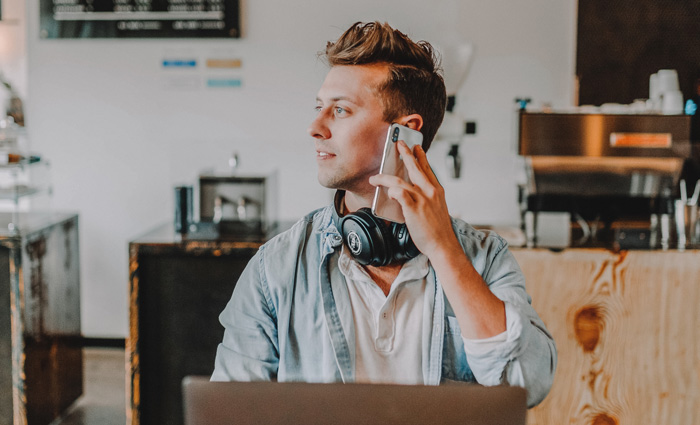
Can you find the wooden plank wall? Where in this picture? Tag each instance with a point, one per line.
(627, 329)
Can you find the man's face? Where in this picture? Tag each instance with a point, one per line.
(349, 130)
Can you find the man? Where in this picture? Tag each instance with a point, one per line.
(305, 310)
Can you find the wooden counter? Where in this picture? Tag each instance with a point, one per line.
(626, 325)
(627, 329)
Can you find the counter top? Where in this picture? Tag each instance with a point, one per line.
(18, 224)
(205, 236)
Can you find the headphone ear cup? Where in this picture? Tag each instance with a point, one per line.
(367, 238)
(404, 248)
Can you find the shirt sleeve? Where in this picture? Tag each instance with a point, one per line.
(476, 347)
(527, 355)
(249, 350)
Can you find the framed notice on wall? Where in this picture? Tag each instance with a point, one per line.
(139, 19)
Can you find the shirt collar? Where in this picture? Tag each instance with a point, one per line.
(413, 269)
(338, 207)
(329, 221)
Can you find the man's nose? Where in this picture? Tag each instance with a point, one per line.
(318, 128)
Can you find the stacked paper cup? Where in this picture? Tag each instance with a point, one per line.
(664, 94)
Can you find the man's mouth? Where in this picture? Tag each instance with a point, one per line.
(324, 155)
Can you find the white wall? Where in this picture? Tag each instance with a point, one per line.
(13, 46)
(119, 139)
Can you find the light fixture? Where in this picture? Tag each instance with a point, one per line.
(456, 60)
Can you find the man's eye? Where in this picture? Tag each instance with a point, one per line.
(318, 108)
(339, 110)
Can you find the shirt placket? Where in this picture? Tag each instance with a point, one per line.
(386, 325)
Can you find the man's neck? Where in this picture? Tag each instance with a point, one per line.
(353, 201)
(384, 276)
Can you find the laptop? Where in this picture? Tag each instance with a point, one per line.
(289, 403)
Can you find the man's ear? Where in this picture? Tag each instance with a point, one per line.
(413, 121)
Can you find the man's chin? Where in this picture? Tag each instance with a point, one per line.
(329, 184)
(356, 184)
(329, 181)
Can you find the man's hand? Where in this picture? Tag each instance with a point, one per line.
(422, 202)
(479, 312)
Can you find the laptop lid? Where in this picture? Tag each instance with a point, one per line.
(272, 403)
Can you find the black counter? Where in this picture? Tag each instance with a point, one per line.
(179, 284)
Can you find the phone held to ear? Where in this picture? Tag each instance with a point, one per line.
(383, 206)
(372, 240)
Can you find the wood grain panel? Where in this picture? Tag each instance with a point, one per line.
(627, 332)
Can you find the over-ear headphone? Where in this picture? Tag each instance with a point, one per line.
(375, 243)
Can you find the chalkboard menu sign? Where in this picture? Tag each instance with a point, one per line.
(139, 18)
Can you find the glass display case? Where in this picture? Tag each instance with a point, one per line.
(25, 180)
(25, 185)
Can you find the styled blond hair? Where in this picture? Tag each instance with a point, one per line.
(414, 85)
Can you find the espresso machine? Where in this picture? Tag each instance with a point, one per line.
(239, 204)
(613, 176)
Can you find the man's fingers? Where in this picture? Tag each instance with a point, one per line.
(388, 180)
(404, 197)
(422, 160)
(415, 171)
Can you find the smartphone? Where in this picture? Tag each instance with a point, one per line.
(383, 206)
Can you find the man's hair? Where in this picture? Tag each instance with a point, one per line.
(414, 84)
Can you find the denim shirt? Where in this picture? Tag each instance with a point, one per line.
(283, 321)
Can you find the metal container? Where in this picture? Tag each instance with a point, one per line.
(184, 208)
